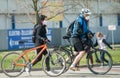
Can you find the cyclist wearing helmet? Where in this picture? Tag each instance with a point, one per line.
(79, 33)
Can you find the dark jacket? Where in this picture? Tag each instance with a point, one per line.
(82, 24)
(40, 34)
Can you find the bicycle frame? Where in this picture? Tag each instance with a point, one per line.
(25, 54)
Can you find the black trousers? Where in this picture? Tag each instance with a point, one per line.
(40, 57)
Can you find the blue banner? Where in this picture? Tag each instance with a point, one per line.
(16, 35)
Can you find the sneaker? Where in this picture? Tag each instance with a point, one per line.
(28, 68)
(78, 69)
(74, 68)
(27, 71)
(50, 73)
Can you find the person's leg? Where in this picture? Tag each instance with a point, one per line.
(79, 48)
(102, 56)
(91, 57)
(47, 61)
(28, 67)
(39, 58)
(78, 58)
(74, 55)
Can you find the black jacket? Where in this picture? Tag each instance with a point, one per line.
(40, 34)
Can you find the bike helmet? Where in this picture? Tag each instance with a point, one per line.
(86, 11)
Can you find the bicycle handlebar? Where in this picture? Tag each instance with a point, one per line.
(66, 37)
(89, 35)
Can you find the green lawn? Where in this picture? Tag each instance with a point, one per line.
(114, 53)
(31, 56)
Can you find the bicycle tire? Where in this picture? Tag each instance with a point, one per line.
(66, 54)
(7, 66)
(100, 66)
(56, 64)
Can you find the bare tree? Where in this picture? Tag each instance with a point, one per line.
(36, 10)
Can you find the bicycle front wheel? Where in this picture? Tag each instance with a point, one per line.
(9, 68)
(67, 54)
(99, 61)
(53, 64)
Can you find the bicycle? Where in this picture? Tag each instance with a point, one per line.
(94, 62)
(13, 64)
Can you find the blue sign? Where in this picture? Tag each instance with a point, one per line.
(16, 35)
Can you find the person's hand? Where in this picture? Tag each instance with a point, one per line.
(47, 40)
(90, 35)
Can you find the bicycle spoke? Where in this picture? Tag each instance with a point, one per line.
(56, 64)
(8, 66)
(99, 65)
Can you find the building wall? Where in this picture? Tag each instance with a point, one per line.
(3, 40)
(109, 10)
(24, 17)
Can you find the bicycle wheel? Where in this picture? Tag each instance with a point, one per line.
(55, 65)
(9, 68)
(100, 64)
(67, 56)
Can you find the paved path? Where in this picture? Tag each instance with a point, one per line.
(83, 73)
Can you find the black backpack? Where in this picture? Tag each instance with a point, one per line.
(71, 26)
(70, 29)
(34, 33)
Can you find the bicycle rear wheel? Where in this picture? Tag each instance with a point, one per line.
(55, 66)
(9, 68)
(101, 62)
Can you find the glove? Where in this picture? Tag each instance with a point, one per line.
(90, 35)
(45, 39)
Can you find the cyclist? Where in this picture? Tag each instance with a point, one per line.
(102, 43)
(79, 36)
(40, 36)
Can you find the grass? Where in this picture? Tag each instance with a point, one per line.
(114, 53)
(31, 56)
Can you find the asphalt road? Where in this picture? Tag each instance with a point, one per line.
(83, 73)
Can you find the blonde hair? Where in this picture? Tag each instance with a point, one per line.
(99, 34)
